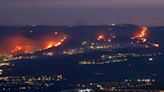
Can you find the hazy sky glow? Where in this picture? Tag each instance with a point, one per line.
(93, 12)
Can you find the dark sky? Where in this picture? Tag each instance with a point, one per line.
(92, 12)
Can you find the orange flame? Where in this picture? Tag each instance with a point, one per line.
(142, 33)
(50, 45)
(55, 43)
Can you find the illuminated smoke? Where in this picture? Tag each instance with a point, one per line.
(19, 44)
(21, 49)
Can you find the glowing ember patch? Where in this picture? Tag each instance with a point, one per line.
(21, 49)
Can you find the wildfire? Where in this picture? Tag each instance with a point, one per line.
(142, 33)
(55, 43)
(50, 45)
(21, 49)
(18, 44)
(141, 39)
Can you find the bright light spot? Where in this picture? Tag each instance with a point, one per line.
(56, 33)
(113, 24)
(31, 31)
(109, 40)
(1, 71)
(156, 45)
(150, 59)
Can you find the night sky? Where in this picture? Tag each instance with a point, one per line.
(79, 12)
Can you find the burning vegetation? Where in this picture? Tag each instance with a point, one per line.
(18, 44)
(140, 39)
(54, 42)
(143, 32)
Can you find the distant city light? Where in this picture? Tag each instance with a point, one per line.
(150, 59)
(156, 45)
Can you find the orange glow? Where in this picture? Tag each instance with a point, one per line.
(21, 49)
(142, 33)
(141, 36)
(18, 44)
(105, 36)
(55, 42)
(100, 37)
(50, 45)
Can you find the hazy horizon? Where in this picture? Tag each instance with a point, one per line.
(81, 12)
